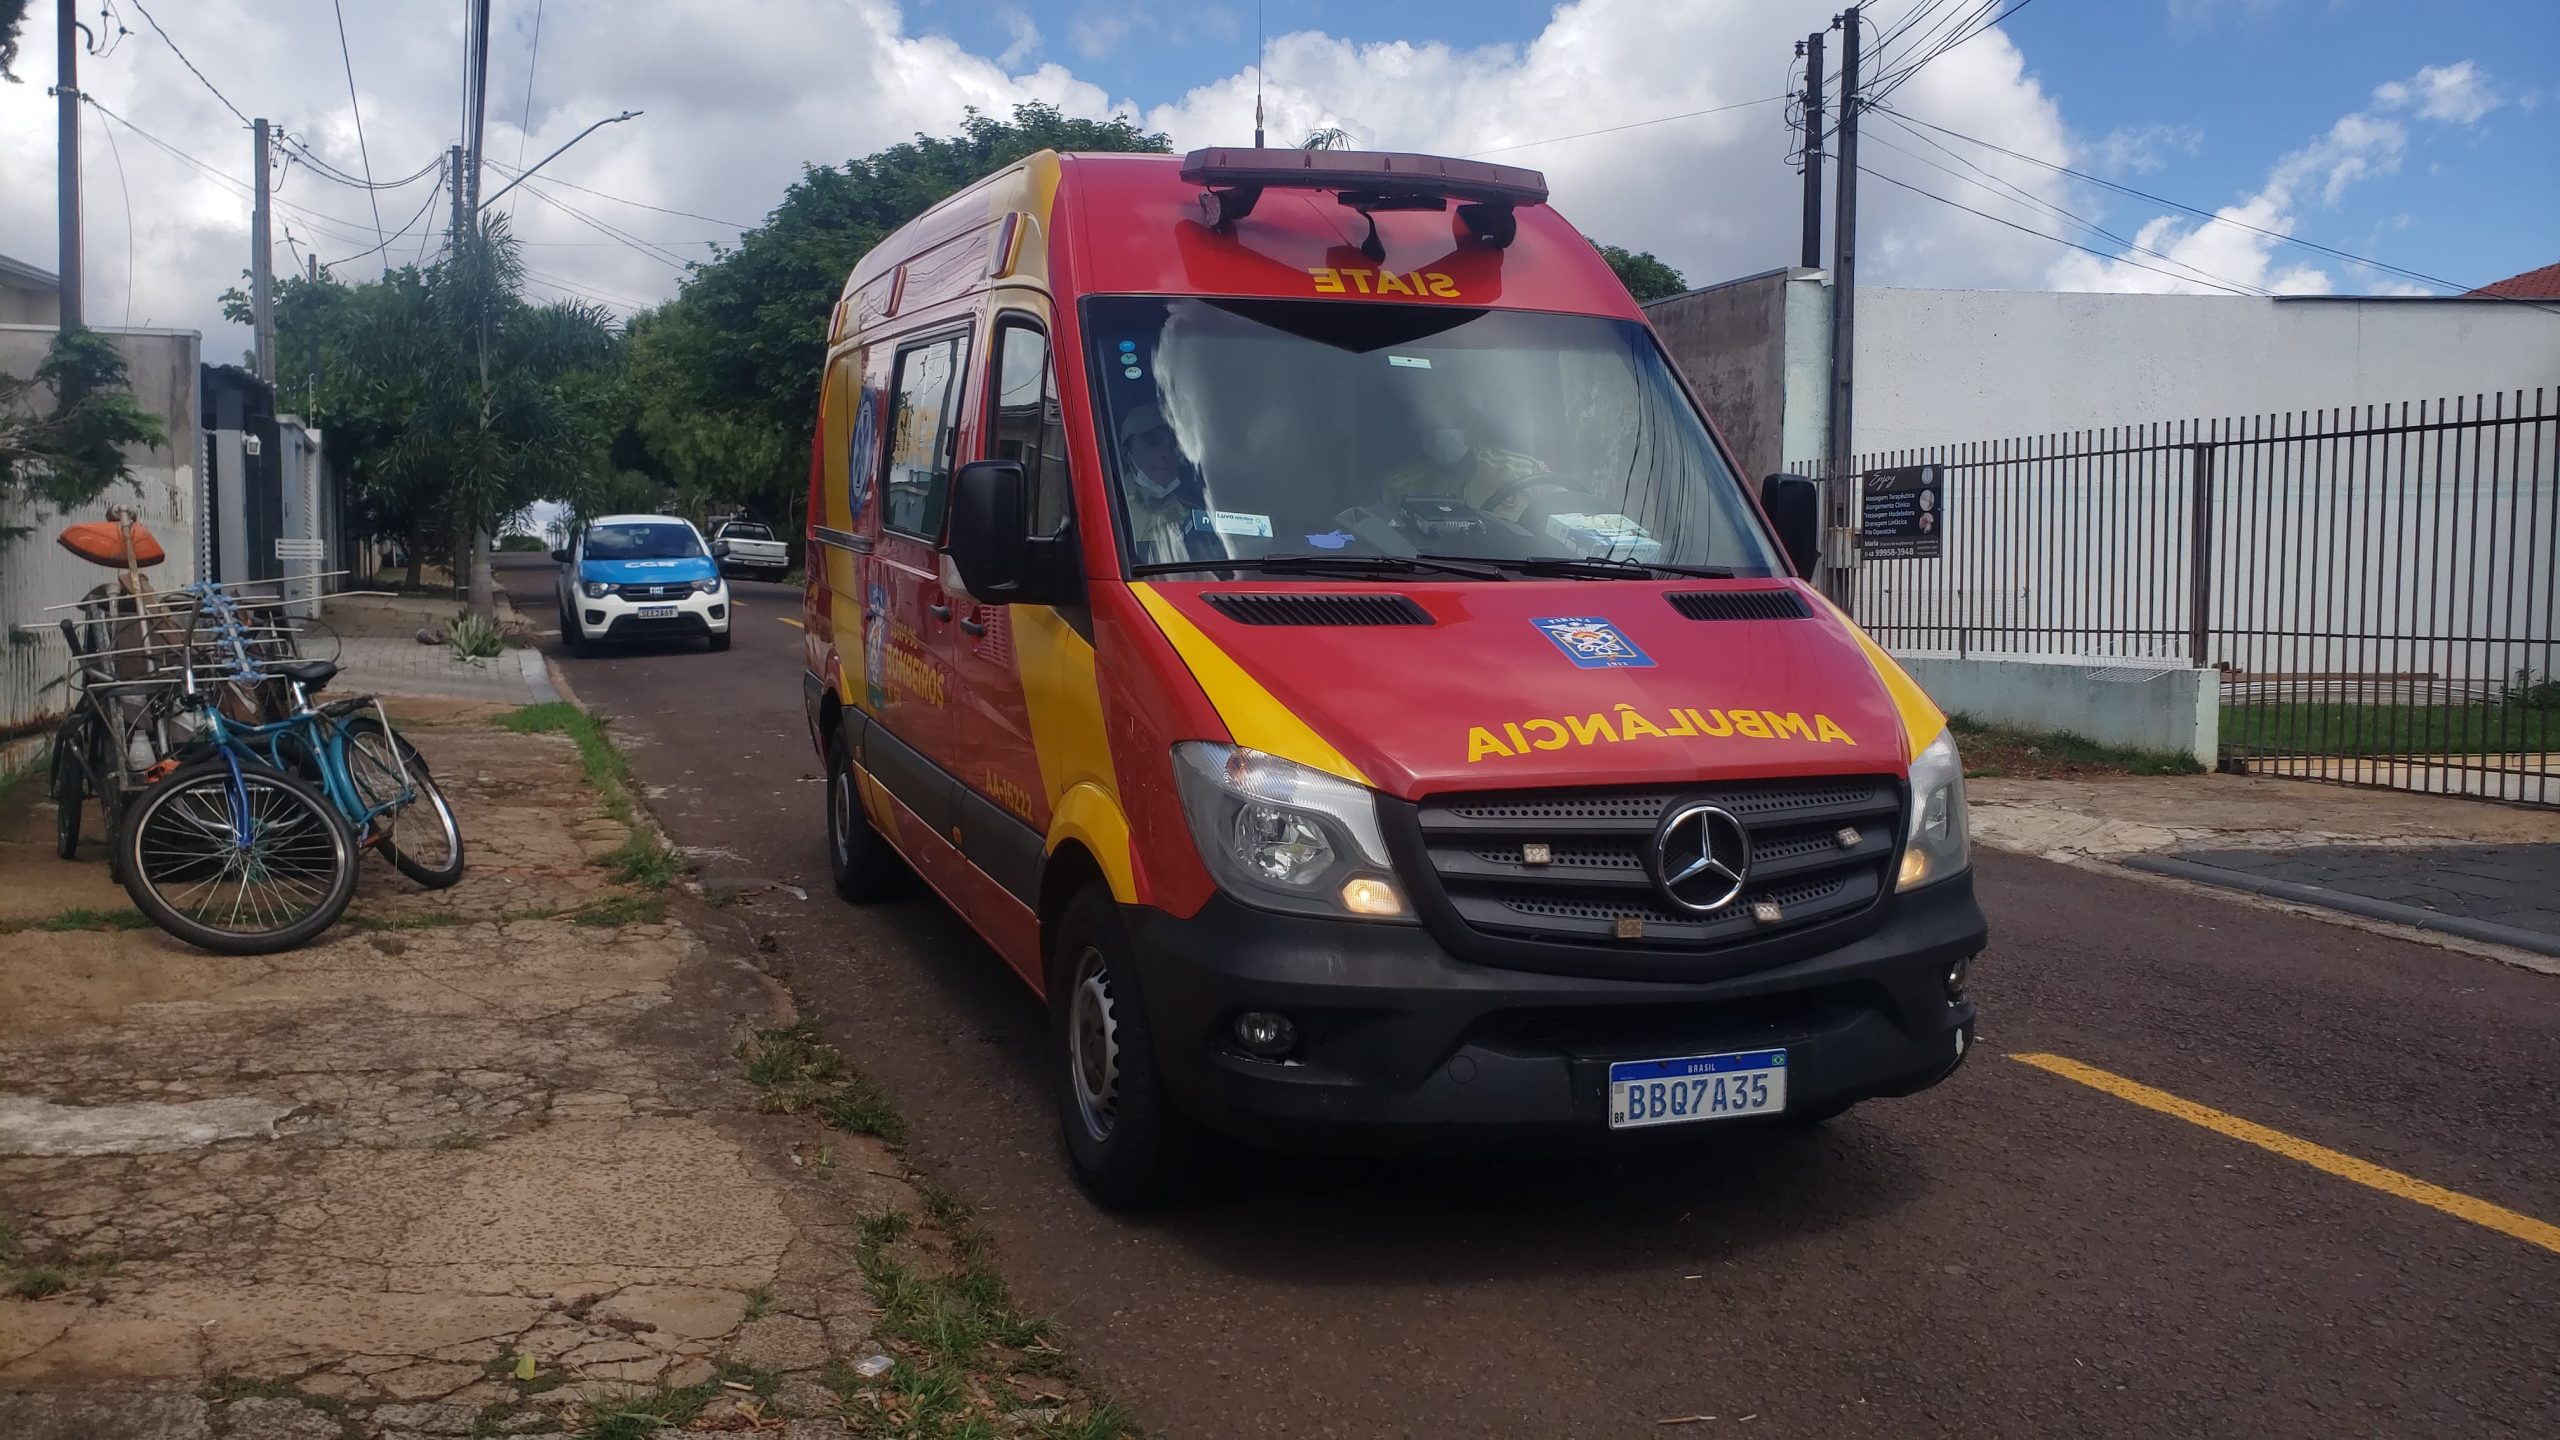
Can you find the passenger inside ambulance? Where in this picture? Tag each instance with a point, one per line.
(1398, 439)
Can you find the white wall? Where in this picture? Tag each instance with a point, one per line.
(1937, 367)
(2162, 709)
(36, 572)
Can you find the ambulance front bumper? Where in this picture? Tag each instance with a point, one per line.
(1404, 1046)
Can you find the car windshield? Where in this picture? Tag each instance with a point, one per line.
(1242, 429)
(643, 542)
(747, 532)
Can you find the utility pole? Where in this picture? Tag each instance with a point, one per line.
(311, 388)
(1844, 260)
(461, 202)
(262, 280)
(1811, 50)
(66, 95)
(479, 92)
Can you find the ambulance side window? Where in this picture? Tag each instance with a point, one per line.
(923, 413)
(1029, 426)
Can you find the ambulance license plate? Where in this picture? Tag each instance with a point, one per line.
(1696, 1087)
(657, 612)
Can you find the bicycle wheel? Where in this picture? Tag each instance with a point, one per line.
(238, 859)
(421, 839)
(70, 781)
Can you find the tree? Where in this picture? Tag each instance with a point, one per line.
(1645, 277)
(13, 13)
(63, 430)
(728, 371)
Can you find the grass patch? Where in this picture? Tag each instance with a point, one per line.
(2291, 728)
(640, 1416)
(621, 910)
(759, 1302)
(79, 918)
(37, 1282)
(862, 1108)
(796, 1071)
(789, 1055)
(645, 860)
(1999, 750)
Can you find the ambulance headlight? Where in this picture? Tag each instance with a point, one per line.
(1936, 847)
(1279, 835)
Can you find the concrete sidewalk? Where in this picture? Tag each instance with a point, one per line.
(2366, 853)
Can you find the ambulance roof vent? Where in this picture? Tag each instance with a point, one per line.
(1319, 609)
(1739, 604)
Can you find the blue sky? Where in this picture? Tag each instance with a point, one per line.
(2424, 133)
(2203, 96)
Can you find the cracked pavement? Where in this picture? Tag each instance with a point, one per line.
(461, 1130)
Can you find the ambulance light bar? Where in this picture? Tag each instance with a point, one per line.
(1234, 178)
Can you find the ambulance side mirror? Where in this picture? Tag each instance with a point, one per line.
(991, 545)
(1794, 506)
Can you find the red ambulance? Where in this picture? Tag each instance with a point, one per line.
(1290, 605)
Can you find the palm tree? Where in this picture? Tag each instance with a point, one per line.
(492, 428)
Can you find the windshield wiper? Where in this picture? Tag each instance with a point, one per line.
(1380, 566)
(1597, 567)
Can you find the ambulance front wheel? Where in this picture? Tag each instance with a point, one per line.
(1128, 1147)
(858, 859)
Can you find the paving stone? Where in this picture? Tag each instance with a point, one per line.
(780, 1343)
(425, 1419)
(277, 1418)
(127, 1415)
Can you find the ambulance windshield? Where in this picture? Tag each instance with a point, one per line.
(1241, 429)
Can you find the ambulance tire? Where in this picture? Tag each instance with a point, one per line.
(1128, 1146)
(859, 860)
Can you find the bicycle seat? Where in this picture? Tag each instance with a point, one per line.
(309, 674)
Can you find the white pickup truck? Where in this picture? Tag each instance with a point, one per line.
(746, 549)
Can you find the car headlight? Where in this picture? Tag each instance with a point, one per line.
(1279, 835)
(1936, 847)
(707, 587)
(598, 589)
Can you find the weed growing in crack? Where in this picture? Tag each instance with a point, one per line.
(644, 859)
(760, 1382)
(759, 1302)
(616, 910)
(862, 1108)
(642, 1416)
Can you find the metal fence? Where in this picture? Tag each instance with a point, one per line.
(2378, 585)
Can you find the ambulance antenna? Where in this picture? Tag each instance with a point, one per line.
(1261, 52)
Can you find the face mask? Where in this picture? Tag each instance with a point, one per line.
(1147, 485)
(1445, 447)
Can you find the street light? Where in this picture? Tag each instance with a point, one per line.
(527, 174)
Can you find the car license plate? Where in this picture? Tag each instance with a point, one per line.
(657, 612)
(1696, 1087)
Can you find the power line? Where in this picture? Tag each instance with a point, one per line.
(639, 204)
(118, 152)
(2210, 217)
(303, 152)
(632, 242)
(2057, 211)
(396, 236)
(348, 62)
(190, 64)
(2039, 234)
(1632, 125)
(351, 230)
(1895, 79)
(532, 67)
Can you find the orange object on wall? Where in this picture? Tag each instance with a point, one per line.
(101, 542)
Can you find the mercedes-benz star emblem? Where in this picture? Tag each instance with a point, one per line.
(1701, 856)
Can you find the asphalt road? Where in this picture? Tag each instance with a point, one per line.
(2017, 1252)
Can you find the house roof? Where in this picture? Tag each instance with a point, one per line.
(19, 272)
(2542, 284)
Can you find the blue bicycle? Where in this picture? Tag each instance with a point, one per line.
(251, 843)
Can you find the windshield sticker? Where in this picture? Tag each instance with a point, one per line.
(1331, 539)
(1517, 738)
(1410, 362)
(1332, 281)
(1236, 522)
(1593, 643)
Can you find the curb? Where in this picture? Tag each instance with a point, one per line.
(2534, 941)
(537, 674)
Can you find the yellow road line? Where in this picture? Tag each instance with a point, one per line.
(791, 621)
(2318, 1157)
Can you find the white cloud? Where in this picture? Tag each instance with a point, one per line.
(2459, 93)
(1022, 37)
(2141, 149)
(1097, 33)
(735, 110)
(2244, 252)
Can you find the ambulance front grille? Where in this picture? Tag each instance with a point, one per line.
(1571, 866)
